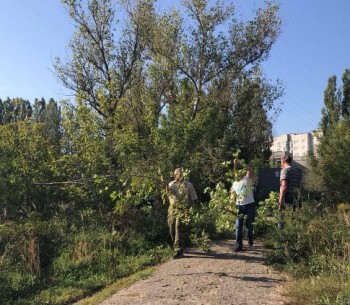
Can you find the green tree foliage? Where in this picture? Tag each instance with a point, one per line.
(304, 249)
(333, 162)
(24, 160)
(84, 179)
(1, 112)
(13, 110)
(39, 110)
(331, 110)
(22, 109)
(7, 111)
(329, 166)
(251, 124)
(18, 109)
(165, 86)
(346, 93)
(83, 157)
(210, 66)
(304, 246)
(101, 69)
(52, 121)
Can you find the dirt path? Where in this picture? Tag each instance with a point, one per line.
(221, 277)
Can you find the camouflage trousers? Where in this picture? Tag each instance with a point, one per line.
(176, 229)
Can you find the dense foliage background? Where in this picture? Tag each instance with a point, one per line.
(82, 201)
(314, 246)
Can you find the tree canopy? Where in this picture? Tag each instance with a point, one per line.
(82, 183)
(183, 87)
(329, 166)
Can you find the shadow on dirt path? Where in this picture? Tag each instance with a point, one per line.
(220, 277)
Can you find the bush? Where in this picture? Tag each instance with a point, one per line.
(314, 248)
(310, 232)
(266, 217)
(58, 261)
(217, 218)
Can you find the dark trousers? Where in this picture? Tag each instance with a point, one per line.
(249, 211)
(291, 201)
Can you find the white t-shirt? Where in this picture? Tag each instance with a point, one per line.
(244, 190)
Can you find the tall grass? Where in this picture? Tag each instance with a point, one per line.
(314, 248)
(60, 261)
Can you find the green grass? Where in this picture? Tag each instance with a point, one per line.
(319, 290)
(97, 284)
(116, 286)
(314, 249)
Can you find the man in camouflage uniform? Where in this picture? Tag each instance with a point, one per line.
(181, 195)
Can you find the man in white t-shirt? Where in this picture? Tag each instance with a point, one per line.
(242, 188)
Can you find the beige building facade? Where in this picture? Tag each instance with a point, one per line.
(297, 145)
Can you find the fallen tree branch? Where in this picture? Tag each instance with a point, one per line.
(83, 181)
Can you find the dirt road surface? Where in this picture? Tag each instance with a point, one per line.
(220, 277)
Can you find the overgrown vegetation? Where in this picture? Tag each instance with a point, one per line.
(314, 247)
(82, 201)
(81, 191)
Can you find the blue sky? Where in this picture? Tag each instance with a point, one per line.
(314, 45)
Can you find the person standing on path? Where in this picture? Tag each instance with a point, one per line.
(242, 189)
(290, 184)
(181, 195)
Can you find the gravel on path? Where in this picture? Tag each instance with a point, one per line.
(220, 277)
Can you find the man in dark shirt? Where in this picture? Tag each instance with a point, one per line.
(290, 183)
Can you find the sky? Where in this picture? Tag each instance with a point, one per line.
(314, 45)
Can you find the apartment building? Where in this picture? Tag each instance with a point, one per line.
(297, 145)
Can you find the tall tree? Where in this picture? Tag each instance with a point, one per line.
(200, 67)
(16, 109)
(1, 112)
(7, 113)
(208, 57)
(24, 159)
(52, 121)
(329, 166)
(346, 93)
(252, 116)
(331, 110)
(39, 110)
(101, 69)
(106, 59)
(163, 85)
(332, 163)
(22, 109)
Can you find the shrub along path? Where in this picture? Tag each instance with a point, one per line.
(220, 277)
